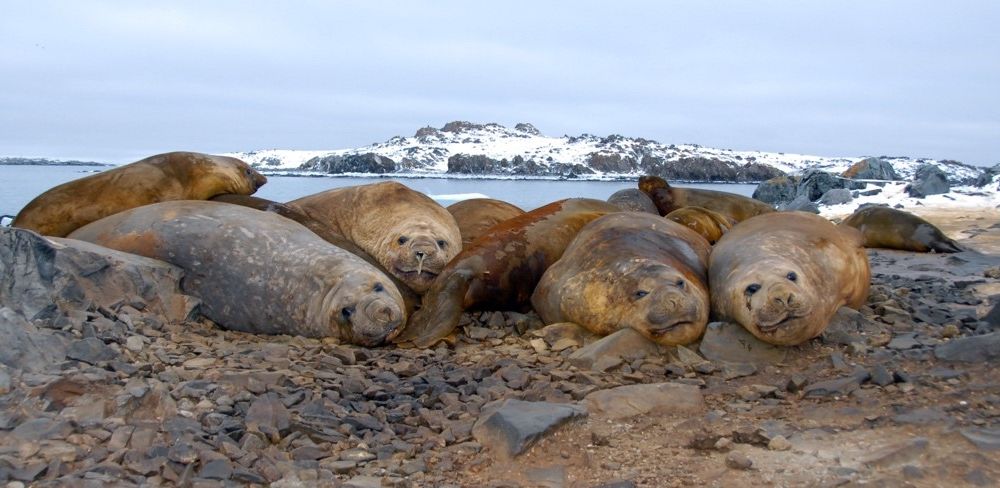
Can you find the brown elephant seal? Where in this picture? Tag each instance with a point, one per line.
(633, 200)
(783, 276)
(630, 270)
(501, 268)
(476, 215)
(257, 271)
(164, 177)
(890, 228)
(668, 198)
(410, 234)
(709, 224)
(410, 297)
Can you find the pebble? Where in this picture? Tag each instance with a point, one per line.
(779, 443)
(738, 460)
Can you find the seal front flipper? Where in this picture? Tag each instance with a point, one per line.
(439, 313)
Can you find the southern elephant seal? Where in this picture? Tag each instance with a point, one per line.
(501, 268)
(410, 234)
(630, 270)
(668, 198)
(890, 228)
(476, 215)
(783, 276)
(709, 224)
(257, 271)
(164, 177)
(633, 200)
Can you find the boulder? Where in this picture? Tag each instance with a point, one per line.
(975, 349)
(871, 169)
(781, 189)
(836, 196)
(511, 427)
(351, 163)
(726, 341)
(801, 203)
(28, 348)
(615, 348)
(928, 180)
(987, 176)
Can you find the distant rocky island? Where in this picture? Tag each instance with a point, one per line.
(47, 162)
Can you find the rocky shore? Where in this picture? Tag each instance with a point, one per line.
(110, 377)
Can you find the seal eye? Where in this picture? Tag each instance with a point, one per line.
(346, 312)
(378, 287)
(641, 293)
(754, 288)
(402, 240)
(680, 284)
(442, 243)
(249, 172)
(792, 276)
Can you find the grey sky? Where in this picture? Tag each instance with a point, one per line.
(118, 81)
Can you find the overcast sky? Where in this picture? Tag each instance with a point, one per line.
(118, 81)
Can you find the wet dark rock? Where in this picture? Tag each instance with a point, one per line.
(928, 180)
(657, 399)
(510, 427)
(91, 350)
(726, 341)
(974, 349)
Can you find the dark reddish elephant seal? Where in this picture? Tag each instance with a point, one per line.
(709, 224)
(476, 215)
(501, 268)
(668, 198)
(633, 200)
(164, 177)
(410, 234)
(889, 228)
(783, 276)
(630, 270)
(257, 271)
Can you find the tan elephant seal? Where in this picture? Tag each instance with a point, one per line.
(406, 231)
(783, 276)
(889, 228)
(633, 200)
(499, 270)
(709, 224)
(476, 215)
(668, 198)
(164, 177)
(630, 270)
(257, 271)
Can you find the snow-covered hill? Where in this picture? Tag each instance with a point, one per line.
(463, 148)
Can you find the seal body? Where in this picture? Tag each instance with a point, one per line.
(633, 200)
(783, 276)
(668, 199)
(257, 271)
(630, 270)
(500, 269)
(890, 228)
(406, 231)
(476, 215)
(410, 298)
(164, 177)
(709, 224)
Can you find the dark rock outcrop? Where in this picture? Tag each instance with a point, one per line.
(485, 165)
(781, 189)
(351, 163)
(871, 169)
(814, 183)
(928, 180)
(706, 169)
(612, 163)
(527, 128)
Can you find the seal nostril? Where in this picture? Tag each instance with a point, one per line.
(420, 254)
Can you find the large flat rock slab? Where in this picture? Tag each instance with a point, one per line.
(511, 427)
(656, 399)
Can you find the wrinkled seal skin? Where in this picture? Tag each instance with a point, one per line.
(406, 231)
(500, 269)
(889, 228)
(633, 200)
(410, 298)
(668, 199)
(259, 272)
(630, 270)
(709, 224)
(783, 276)
(476, 215)
(164, 177)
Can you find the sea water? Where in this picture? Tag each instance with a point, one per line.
(20, 184)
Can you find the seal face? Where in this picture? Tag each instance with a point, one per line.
(406, 231)
(164, 177)
(477, 215)
(783, 276)
(633, 200)
(500, 269)
(889, 228)
(633, 270)
(710, 225)
(257, 271)
(668, 199)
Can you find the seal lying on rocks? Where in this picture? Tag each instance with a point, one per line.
(164, 177)
(406, 231)
(259, 272)
(668, 199)
(783, 276)
(476, 215)
(500, 269)
(890, 228)
(710, 225)
(632, 270)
